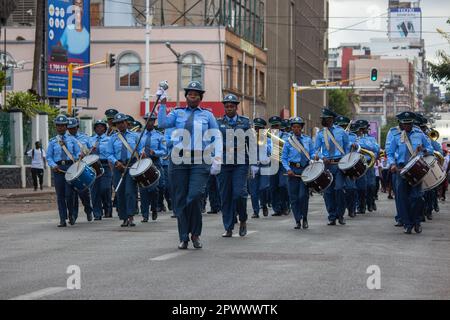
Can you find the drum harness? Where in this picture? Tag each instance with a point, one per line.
(327, 134)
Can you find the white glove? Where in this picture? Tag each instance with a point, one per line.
(254, 170)
(162, 93)
(215, 167)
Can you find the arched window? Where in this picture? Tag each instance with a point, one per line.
(8, 62)
(192, 69)
(129, 72)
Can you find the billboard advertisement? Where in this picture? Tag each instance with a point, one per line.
(405, 23)
(68, 41)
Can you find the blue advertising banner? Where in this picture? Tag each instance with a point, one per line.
(68, 41)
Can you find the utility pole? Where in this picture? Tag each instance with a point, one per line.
(148, 28)
(178, 56)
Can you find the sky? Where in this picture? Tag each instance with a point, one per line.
(435, 14)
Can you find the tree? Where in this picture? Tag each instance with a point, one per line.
(2, 79)
(441, 70)
(430, 102)
(29, 104)
(338, 101)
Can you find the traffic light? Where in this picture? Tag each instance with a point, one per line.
(374, 74)
(111, 60)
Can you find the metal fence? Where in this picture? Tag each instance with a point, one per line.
(5, 139)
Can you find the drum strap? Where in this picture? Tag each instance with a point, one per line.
(82, 147)
(405, 139)
(125, 143)
(63, 146)
(299, 147)
(328, 134)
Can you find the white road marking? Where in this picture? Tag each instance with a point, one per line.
(40, 293)
(169, 256)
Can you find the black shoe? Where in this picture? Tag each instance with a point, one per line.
(62, 225)
(305, 224)
(361, 212)
(42, 188)
(144, 220)
(169, 206)
(408, 230)
(430, 217)
(265, 212)
(418, 228)
(196, 242)
(71, 220)
(35, 189)
(374, 206)
(183, 245)
(285, 212)
(227, 234)
(243, 229)
(276, 214)
(351, 214)
(422, 219)
(98, 219)
(390, 197)
(399, 224)
(212, 212)
(154, 215)
(369, 208)
(125, 223)
(341, 221)
(332, 223)
(89, 216)
(298, 226)
(255, 216)
(130, 222)
(436, 209)
(173, 216)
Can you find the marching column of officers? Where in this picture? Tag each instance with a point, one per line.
(184, 185)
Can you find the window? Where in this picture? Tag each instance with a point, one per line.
(262, 84)
(229, 73)
(192, 69)
(129, 71)
(239, 73)
(8, 62)
(249, 77)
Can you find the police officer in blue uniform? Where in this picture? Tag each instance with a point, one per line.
(350, 184)
(369, 143)
(233, 177)
(84, 144)
(331, 152)
(153, 146)
(110, 114)
(119, 156)
(278, 181)
(410, 199)
(213, 194)
(163, 192)
(296, 156)
(166, 162)
(101, 189)
(259, 184)
(59, 161)
(190, 175)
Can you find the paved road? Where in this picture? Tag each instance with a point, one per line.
(273, 262)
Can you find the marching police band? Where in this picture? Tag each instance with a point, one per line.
(120, 144)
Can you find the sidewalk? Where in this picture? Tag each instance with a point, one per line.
(27, 192)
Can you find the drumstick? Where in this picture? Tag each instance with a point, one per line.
(296, 175)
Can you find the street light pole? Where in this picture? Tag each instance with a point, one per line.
(148, 23)
(178, 56)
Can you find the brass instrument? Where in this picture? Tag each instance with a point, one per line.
(277, 143)
(440, 158)
(135, 129)
(370, 154)
(433, 134)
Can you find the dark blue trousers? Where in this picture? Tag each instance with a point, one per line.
(101, 193)
(410, 202)
(350, 194)
(126, 195)
(65, 195)
(298, 196)
(361, 185)
(233, 192)
(188, 185)
(259, 191)
(278, 190)
(334, 196)
(214, 193)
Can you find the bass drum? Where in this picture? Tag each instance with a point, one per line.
(435, 176)
(316, 177)
(353, 165)
(415, 170)
(145, 173)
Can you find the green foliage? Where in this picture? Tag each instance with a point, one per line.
(2, 79)
(339, 102)
(29, 105)
(391, 122)
(441, 71)
(430, 102)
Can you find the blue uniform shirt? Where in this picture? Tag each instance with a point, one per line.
(437, 146)
(115, 146)
(83, 139)
(102, 145)
(396, 146)
(55, 152)
(153, 140)
(368, 143)
(352, 138)
(178, 118)
(236, 123)
(290, 154)
(342, 139)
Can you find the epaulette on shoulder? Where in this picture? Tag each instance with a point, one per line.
(244, 117)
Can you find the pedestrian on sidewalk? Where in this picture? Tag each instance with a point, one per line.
(38, 164)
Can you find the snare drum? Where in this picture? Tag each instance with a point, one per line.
(316, 177)
(415, 170)
(145, 173)
(80, 176)
(353, 165)
(435, 176)
(94, 162)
